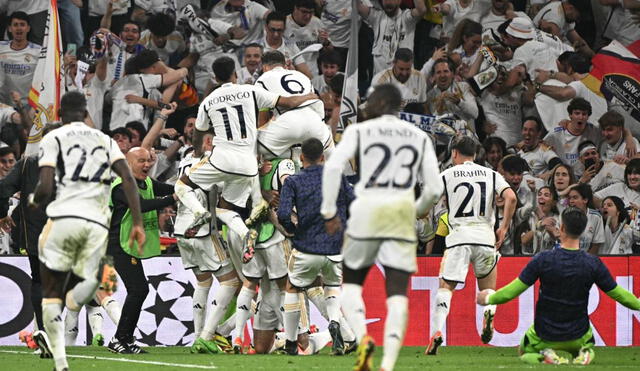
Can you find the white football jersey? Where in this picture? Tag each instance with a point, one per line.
(82, 157)
(232, 112)
(287, 83)
(390, 155)
(471, 191)
(184, 215)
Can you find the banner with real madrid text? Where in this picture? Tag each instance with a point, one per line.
(47, 87)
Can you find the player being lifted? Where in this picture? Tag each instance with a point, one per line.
(393, 155)
(294, 126)
(232, 111)
(566, 276)
(471, 191)
(74, 240)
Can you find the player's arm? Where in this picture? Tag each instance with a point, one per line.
(295, 100)
(363, 10)
(504, 295)
(158, 126)
(433, 188)
(332, 172)
(420, 9)
(130, 189)
(624, 297)
(285, 208)
(561, 93)
(510, 201)
(203, 122)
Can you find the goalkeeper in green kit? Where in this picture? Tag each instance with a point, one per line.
(566, 275)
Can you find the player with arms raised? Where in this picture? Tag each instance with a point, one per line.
(74, 240)
(471, 191)
(566, 276)
(392, 155)
(232, 112)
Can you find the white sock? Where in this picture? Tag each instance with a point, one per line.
(95, 319)
(81, 294)
(441, 310)
(394, 327)
(54, 326)
(345, 330)
(275, 299)
(316, 296)
(71, 327)
(200, 297)
(219, 305)
(227, 326)
(317, 341)
(256, 192)
(490, 308)
(188, 198)
(331, 295)
(353, 308)
(291, 315)
(243, 310)
(233, 220)
(113, 309)
(305, 322)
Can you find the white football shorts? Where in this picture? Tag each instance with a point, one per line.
(455, 262)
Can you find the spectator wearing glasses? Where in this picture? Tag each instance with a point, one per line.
(274, 40)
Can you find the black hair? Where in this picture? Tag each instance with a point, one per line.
(19, 15)
(552, 184)
(585, 191)
(336, 83)
(73, 107)
(623, 215)
(385, 99)
(276, 16)
(449, 63)
(330, 56)
(307, 4)
(633, 167)
(564, 57)
(223, 68)
(254, 45)
(579, 104)
(514, 164)
(137, 126)
(465, 145)
(145, 59)
(574, 221)
(403, 54)
(7, 150)
(121, 130)
(495, 141)
(611, 118)
(539, 125)
(273, 58)
(585, 144)
(579, 63)
(161, 24)
(312, 149)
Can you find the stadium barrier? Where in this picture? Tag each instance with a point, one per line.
(166, 318)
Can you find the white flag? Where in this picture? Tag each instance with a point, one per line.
(46, 88)
(349, 105)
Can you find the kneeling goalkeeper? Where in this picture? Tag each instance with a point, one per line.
(566, 275)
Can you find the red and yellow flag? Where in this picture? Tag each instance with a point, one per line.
(47, 87)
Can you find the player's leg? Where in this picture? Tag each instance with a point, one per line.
(485, 266)
(52, 341)
(109, 304)
(453, 270)
(332, 277)
(71, 327)
(243, 310)
(534, 350)
(96, 320)
(586, 354)
(229, 285)
(359, 256)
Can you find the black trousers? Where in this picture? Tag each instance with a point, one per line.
(132, 274)
(36, 288)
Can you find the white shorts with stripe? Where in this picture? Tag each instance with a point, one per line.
(73, 244)
(276, 137)
(304, 268)
(271, 261)
(236, 188)
(205, 253)
(455, 262)
(363, 253)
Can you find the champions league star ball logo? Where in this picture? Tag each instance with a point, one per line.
(166, 317)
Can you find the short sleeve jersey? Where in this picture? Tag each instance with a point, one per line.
(141, 85)
(391, 33)
(250, 18)
(16, 69)
(554, 13)
(184, 215)
(82, 157)
(594, 231)
(336, 17)
(286, 83)
(414, 90)
(539, 158)
(471, 191)
(566, 276)
(232, 112)
(621, 190)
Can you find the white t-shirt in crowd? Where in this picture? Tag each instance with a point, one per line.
(336, 18)
(539, 158)
(594, 232)
(175, 44)
(610, 173)
(621, 190)
(553, 13)
(390, 34)
(138, 84)
(16, 70)
(598, 103)
(253, 22)
(414, 90)
(304, 36)
(566, 144)
(535, 55)
(505, 111)
(609, 152)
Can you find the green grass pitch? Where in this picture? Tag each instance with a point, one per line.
(411, 358)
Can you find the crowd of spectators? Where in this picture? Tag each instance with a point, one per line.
(555, 141)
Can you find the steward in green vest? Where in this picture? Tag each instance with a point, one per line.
(154, 196)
